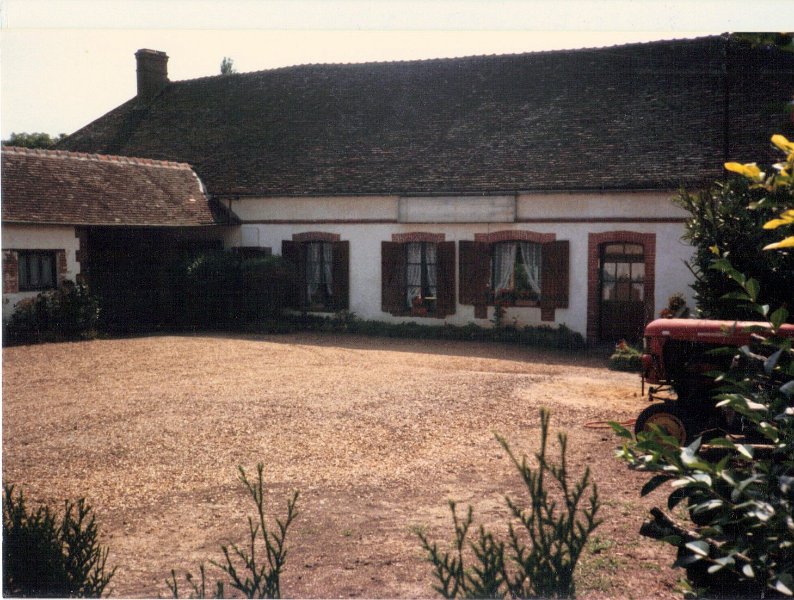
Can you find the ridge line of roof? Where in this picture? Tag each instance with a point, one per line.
(102, 158)
(454, 58)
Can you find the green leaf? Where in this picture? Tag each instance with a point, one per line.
(771, 362)
(720, 563)
(785, 584)
(752, 287)
(699, 547)
(778, 317)
(620, 430)
(654, 483)
(737, 296)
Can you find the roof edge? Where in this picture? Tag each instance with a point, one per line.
(104, 158)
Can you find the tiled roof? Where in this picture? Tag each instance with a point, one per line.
(639, 116)
(58, 187)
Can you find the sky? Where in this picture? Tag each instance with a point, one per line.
(64, 63)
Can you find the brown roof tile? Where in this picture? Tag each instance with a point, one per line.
(654, 115)
(75, 188)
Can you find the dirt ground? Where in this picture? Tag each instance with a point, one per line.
(376, 434)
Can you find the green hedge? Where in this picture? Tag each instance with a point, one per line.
(70, 312)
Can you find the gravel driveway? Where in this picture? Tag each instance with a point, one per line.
(376, 434)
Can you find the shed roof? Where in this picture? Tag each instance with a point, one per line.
(69, 188)
(640, 116)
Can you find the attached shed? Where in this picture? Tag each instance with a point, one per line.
(110, 221)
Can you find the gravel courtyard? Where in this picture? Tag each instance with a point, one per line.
(376, 434)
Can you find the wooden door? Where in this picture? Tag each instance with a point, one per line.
(622, 291)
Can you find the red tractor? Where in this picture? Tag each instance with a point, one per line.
(676, 361)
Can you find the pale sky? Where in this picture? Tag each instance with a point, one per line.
(64, 63)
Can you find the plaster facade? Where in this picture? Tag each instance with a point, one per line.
(366, 221)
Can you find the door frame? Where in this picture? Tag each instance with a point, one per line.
(594, 244)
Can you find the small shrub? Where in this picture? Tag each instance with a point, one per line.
(625, 358)
(70, 312)
(539, 558)
(249, 573)
(43, 556)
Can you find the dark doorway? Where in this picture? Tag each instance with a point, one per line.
(136, 274)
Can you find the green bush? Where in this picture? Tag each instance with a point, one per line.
(625, 358)
(45, 556)
(251, 574)
(225, 289)
(539, 558)
(70, 312)
(543, 336)
(739, 494)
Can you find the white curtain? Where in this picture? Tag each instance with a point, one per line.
(328, 260)
(414, 271)
(530, 253)
(504, 262)
(430, 256)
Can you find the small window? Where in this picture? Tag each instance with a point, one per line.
(37, 270)
(420, 276)
(516, 272)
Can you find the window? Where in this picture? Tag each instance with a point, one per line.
(622, 272)
(319, 275)
(37, 270)
(418, 278)
(323, 274)
(516, 272)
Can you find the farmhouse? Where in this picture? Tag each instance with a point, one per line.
(432, 190)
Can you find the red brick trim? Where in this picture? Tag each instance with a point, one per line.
(418, 236)
(594, 241)
(315, 236)
(515, 235)
(10, 272)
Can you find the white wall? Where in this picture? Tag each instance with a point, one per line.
(39, 237)
(367, 221)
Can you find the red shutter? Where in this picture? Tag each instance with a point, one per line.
(554, 278)
(10, 272)
(392, 256)
(294, 253)
(341, 275)
(475, 272)
(445, 279)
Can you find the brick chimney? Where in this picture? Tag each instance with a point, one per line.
(152, 73)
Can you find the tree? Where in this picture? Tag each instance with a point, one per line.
(719, 218)
(227, 66)
(739, 495)
(33, 140)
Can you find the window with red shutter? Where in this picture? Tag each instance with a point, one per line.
(514, 273)
(324, 274)
(418, 278)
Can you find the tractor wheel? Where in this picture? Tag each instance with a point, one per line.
(669, 417)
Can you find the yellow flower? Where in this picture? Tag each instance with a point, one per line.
(786, 218)
(784, 243)
(782, 143)
(715, 249)
(749, 170)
